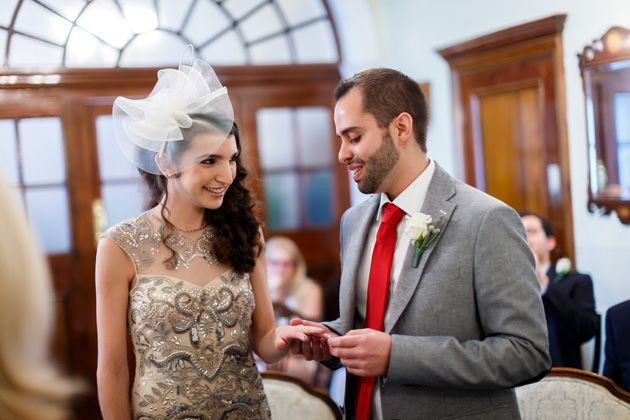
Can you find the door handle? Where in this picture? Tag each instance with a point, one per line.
(554, 182)
(99, 219)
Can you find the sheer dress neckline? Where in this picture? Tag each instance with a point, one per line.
(188, 282)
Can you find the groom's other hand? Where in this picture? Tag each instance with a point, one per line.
(363, 352)
(317, 347)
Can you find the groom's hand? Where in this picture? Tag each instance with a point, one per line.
(317, 347)
(363, 352)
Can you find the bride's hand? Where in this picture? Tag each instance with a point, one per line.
(286, 334)
(317, 347)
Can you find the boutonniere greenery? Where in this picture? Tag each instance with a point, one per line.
(563, 267)
(422, 232)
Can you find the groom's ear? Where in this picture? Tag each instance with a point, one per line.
(403, 128)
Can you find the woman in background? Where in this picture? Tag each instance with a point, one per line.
(30, 385)
(288, 283)
(294, 295)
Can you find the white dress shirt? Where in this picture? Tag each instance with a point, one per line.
(410, 201)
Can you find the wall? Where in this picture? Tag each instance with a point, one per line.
(409, 32)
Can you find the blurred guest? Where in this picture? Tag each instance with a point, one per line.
(567, 296)
(30, 385)
(288, 283)
(294, 295)
(617, 349)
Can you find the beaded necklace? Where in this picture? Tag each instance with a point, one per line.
(186, 249)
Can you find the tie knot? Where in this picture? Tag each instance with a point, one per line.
(392, 214)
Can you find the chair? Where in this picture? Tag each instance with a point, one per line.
(291, 398)
(566, 393)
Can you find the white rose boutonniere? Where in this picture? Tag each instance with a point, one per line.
(422, 232)
(563, 267)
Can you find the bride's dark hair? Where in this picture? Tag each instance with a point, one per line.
(236, 228)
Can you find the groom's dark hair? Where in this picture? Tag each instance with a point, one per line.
(386, 94)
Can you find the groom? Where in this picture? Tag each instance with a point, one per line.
(453, 334)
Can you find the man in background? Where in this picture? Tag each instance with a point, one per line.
(566, 294)
(617, 364)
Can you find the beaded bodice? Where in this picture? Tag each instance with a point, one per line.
(190, 336)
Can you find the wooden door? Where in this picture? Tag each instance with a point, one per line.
(508, 92)
(48, 169)
(513, 148)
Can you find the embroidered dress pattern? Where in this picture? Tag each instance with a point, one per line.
(191, 342)
(185, 249)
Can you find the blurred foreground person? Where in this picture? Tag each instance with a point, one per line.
(31, 387)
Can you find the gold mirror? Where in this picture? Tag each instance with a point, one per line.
(605, 67)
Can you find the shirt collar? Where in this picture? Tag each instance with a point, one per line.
(544, 268)
(412, 197)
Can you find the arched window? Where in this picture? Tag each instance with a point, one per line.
(149, 33)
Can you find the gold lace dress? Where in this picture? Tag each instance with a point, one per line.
(190, 336)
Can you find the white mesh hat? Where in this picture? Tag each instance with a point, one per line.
(187, 116)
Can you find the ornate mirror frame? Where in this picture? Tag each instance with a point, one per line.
(605, 68)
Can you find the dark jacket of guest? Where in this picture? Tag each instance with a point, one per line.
(617, 350)
(571, 318)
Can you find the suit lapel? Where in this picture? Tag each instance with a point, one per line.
(357, 228)
(441, 189)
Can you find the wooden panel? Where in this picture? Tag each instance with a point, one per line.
(61, 339)
(531, 148)
(513, 145)
(61, 272)
(532, 73)
(507, 37)
(499, 132)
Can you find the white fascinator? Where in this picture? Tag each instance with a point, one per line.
(187, 116)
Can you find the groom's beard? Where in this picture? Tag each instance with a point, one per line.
(378, 166)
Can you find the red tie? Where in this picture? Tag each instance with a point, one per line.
(378, 284)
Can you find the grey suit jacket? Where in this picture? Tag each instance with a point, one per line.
(467, 324)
